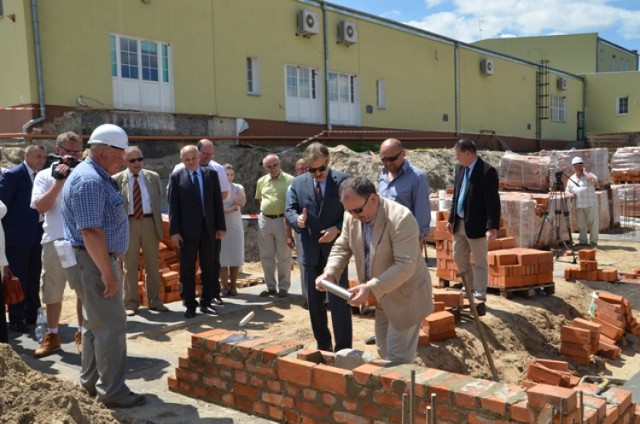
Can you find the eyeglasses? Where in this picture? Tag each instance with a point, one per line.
(390, 158)
(358, 211)
(73, 152)
(275, 165)
(134, 160)
(318, 169)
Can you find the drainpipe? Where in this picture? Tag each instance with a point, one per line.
(325, 41)
(456, 70)
(37, 48)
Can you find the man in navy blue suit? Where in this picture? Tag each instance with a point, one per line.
(314, 210)
(23, 233)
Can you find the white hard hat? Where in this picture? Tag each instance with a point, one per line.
(111, 135)
(576, 160)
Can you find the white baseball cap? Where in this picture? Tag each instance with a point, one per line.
(576, 160)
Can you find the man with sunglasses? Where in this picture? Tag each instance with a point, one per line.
(381, 236)
(141, 190)
(314, 211)
(46, 198)
(271, 193)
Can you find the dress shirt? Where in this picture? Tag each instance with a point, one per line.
(146, 201)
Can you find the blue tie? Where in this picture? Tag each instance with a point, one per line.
(196, 183)
(463, 191)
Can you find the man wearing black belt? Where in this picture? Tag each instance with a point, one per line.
(96, 224)
(271, 192)
(142, 193)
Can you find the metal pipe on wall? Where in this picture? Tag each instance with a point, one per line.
(38, 53)
(325, 41)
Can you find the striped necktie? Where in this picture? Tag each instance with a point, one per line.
(137, 199)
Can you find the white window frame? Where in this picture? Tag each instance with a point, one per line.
(381, 94)
(558, 108)
(622, 106)
(149, 84)
(614, 62)
(253, 76)
(344, 98)
(303, 94)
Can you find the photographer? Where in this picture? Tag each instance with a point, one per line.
(46, 199)
(582, 185)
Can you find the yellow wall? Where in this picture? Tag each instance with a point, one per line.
(17, 68)
(601, 104)
(607, 54)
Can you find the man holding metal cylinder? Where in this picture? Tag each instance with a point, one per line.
(381, 235)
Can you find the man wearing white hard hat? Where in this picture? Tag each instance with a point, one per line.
(97, 226)
(582, 185)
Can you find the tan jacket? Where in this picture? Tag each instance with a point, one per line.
(154, 187)
(400, 279)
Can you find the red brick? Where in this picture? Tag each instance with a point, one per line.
(575, 335)
(611, 298)
(310, 355)
(295, 371)
(345, 417)
(587, 325)
(246, 391)
(309, 408)
(330, 379)
(559, 397)
(609, 329)
(172, 382)
(391, 380)
(520, 412)
(364, 373)
(554, 364)
(278, 399)
(267, 371)
(187, 375)
(541, 374)
(229, 362)
(273, 352)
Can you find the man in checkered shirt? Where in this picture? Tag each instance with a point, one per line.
(582, 185)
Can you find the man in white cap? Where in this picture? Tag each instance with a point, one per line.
(582, 185)
(97, 226)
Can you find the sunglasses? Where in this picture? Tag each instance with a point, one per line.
(358, 211)
(391, 158)
(73, 152)
(134, 160)
(318, 169)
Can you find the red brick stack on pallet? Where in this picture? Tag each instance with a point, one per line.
(587, 269)
(580, 340)
(519, 267)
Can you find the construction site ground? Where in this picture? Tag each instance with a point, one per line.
(518, 329)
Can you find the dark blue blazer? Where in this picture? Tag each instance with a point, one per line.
(185, 212)
(301, 195)
(21, 223)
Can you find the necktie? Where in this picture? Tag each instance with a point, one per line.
(196, 183)
(318, 193)
(137, 198)
(463, 191)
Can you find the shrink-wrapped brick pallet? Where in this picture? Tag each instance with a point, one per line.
(524, 172)
(625, 165)
(596, 161)
(626, 200)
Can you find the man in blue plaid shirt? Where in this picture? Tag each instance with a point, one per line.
(96, 225)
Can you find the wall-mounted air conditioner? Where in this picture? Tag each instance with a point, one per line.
(307, 23)
(347, 32)
(486, 67)
(562, 83)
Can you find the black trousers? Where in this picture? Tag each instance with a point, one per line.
(26, 264)
(192, 249)
(4, 337)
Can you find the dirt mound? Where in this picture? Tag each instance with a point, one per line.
(30, 396)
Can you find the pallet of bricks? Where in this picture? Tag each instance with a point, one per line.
(511, 268)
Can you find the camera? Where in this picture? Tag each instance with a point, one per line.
(56, 160)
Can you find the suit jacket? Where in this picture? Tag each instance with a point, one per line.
(482, 201)
(185, 211)
(301, 195)
(21, 223)
(154, 188)
(400, 279)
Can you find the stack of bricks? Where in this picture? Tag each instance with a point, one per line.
(519, 267)
(587, 269)
(614, 314)
(439, 326)
(446, 267)
(580, 340)
(282, 382)
(552, 372)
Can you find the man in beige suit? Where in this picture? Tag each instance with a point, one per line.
(381, 235)
(142, 193)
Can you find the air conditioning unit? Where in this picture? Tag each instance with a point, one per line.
(562, 83)
(347, 32)
(308, 23)
(486, 67)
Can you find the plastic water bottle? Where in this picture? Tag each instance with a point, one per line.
(41, 324)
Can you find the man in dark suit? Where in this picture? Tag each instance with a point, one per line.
(143, 205)
(23, 233)
(475, 214)
(314, 210)
(196, 216)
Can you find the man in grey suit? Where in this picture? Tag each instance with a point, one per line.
(196, 216)
(381, 235)
(314, 211)
(142, 193)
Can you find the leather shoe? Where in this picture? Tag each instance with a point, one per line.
(19, 327)
(370, 341)
(207, 309)
(218, 300)
(267, 293)
(159, 308)
(132, 399)
(283, 293)
(190, 313)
